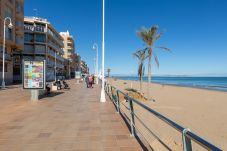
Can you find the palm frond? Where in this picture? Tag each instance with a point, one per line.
(158, 36)
(156, 60)
(163, 48)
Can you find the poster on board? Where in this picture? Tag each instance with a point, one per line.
(34, 75)
(77, 75)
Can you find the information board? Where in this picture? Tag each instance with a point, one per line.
(78, 75)
(34, 74)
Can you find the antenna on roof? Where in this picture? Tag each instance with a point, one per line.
(35, 12)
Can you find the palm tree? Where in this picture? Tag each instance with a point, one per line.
(108, 71)
(150, 36)
(141, 56)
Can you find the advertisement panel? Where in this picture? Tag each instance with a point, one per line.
(34, 75)
(77, 75)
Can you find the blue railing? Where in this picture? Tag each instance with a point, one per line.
(187, 135)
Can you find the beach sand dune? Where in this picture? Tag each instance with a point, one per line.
(203, 111)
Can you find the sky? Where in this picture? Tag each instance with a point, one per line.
(194, 30)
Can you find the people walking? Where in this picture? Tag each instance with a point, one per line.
(90, 81)
(87, 81)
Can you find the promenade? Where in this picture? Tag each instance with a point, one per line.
(67, 120)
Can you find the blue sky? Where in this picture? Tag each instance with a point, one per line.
(195, 31)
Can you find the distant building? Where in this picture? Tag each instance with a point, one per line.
(43, 42)
(84, 67)
(69, 52)
(14, 37)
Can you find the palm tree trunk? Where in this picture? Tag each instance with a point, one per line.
(141, 82)
(149, 78)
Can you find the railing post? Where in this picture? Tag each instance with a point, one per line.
(111, 94)
(109, 87)
(105, 86)
(118, 102)
(132, 121)
(187, 145)
(108, 90)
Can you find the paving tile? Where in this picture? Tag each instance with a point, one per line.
(72, 121)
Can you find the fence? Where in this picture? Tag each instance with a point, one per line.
(187, 135)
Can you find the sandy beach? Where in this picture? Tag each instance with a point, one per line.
(202, 111)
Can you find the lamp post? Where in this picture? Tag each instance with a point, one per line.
(103, 98)
(95, 47)
(55, 71)
(3, 53)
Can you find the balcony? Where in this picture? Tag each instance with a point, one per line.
(28, 49)
(59, 65)
(50, 63)
(60, 58)
(55, 37)
(52, 44)
(51, 53)
(7, 56)
(40, 51)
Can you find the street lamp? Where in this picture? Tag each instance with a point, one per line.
(103, 98)
(55, 71)
(10, 26)
(95, 47)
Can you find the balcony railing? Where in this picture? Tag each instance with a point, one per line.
(56, 47)
(51, 52)
(50, 63)
(55, 37)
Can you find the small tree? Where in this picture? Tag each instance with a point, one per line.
(150, 36)
(141, 56)
(108, 71)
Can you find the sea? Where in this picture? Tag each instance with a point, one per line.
(211, 83)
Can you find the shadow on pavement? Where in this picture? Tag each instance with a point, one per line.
(52, 94)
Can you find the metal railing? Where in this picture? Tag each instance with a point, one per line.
(187, 135)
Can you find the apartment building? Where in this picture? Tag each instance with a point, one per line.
(84, 67)
(69, 53)
(14, 37)
(43, 42)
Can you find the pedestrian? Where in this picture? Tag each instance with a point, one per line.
(90, 81)
(93, 79)
(87, 81)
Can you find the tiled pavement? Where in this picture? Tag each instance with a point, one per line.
(71, 120)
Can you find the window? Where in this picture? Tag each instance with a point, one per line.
(28, 48)
(40, 48)
(9, 33)
(8, 12)
(28, 37)
(40, 38)
(6, 70)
